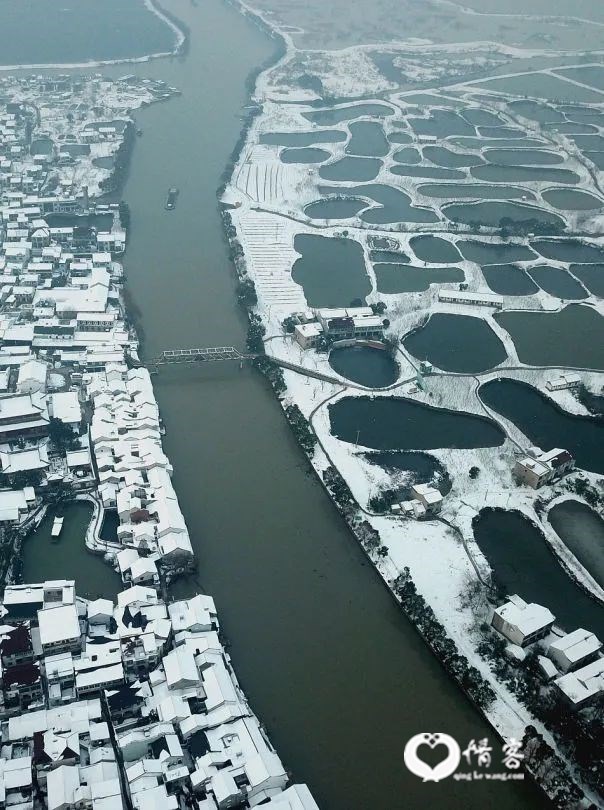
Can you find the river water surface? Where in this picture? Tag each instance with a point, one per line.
(334, 670)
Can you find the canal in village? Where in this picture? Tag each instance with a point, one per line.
(334, 670)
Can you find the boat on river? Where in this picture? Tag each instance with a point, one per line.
(171, 199)
(57, 526)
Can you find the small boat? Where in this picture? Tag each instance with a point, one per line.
(171, 200)
(57, 525)
(139, 132)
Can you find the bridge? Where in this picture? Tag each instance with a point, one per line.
(206, 355)
(214, 353)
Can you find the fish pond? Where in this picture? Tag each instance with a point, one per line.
(557, 282)
(571, 199)
(352, 169)
(569, 250)
(581, 529)
(475, 191)
(367, 139)
(494, 253)
(330, 271)
(305, 155)
(429, 172)
(434, 249)
(545, 424)
(494, 173)
(573, 337)
(523, 564)
(390, 423)
(302, 139)
(368, 366)
(491, 213)
(326, 118)
(401, 278)
(508, 279)
(393, 205)
(458, 343)
(591, 276)
(335, 208)
(416, 468)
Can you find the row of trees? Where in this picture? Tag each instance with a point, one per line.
(301, 428)
(422, 615)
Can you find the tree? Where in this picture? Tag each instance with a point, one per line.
(474, 472)
(61, 435)
(379, 308)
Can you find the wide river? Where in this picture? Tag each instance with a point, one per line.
(336, 673)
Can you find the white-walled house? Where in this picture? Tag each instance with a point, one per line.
(520, 622)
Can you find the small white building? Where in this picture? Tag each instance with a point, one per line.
(583, 686)
(520, 622)
(563, 382)
(307, 334)
(574, 649)
(59, 628)
(66, 407)
(428, 496)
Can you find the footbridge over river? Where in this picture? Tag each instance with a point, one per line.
(211, 354)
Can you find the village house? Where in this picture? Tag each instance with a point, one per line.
(522, 623)
(538, 469)
(574, 650)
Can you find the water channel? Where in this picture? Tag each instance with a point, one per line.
(336, 673)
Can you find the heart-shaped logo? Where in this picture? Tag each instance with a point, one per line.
(421, 768)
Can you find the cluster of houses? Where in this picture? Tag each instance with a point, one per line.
(336, 325)
(134, 472)
(572, 662)
(133, 704)
(103, 704)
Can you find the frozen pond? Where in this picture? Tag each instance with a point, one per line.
(374, 368)
(523, 563)
(390, 423)
(331, 271)
(459, 343)
(582, 531)
(545, 424)
(573, 337)
(407, 155)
